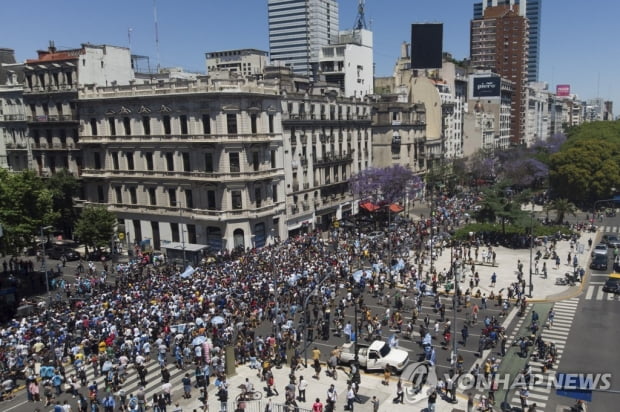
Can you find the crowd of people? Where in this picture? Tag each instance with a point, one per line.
(116, 321)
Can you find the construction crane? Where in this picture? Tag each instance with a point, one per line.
(360, 20)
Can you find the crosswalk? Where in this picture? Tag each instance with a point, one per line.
(132, 383)
(609, 229)
(540, 389)
(595, 292)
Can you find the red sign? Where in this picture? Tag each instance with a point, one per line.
(562, 90)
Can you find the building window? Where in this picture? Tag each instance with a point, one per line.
(274, 193)
(172, 197)
(231, 123)
(236, 200)
(100, 194)
(189, 199)
(186, 163)
(149, 160)
(146, 125)
(167, 129)
(115, 164)
(258, 197)
(209, 162)
(130, 165)
(255, 162)
(206, 124)
(211, 200)
(259, 235)
(273, 159)
(93, 126)
(119, 194)
(112, 126)
(127, 126)
(152, 197)
(133, 196)
(174, 228)
(271, 124)
(253, 123)
(97, 160)
(234, 162)
(169, 161)
(183, 120)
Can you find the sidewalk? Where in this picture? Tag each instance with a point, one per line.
(370, 386)
(506, 269)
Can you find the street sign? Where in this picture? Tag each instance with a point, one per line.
(616, 199)
(574, 386)
(121, 236)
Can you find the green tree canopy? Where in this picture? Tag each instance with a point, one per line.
(64, 187)
(25, 206)
(95, 226)
(587, 166)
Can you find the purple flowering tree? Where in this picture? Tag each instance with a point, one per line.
(391, 184)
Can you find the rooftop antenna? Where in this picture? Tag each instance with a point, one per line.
(156, 33)
(360, 19)
(129, 30)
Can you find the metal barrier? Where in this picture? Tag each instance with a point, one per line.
(252, 406)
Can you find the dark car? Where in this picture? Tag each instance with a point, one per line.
(612, 285)
(97, 255)
(612, 240)
(599, 262)
(57, 252)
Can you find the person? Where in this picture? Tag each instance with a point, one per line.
(493, 279)
(187, 386)
(532, 408)
(386, 375)
(523, 395)
(432, 400)
(464, 334)
(350, 398)
(301, 388)
(375, 404)
(317, 369)
(108, 403)
(317, 406)
(332, 397)
(470, 402)
(400, 393)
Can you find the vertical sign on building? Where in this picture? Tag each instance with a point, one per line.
(426, 45)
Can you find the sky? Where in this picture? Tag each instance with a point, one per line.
(579, 40)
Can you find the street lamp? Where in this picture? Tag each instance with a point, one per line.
(180, 206)
(43, 262)
(356, 292)
(455, 265)
(306, 316)
(531, 247)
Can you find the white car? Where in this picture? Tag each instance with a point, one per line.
(600, 249)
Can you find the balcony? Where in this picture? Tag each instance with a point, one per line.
(323, 118)
(331, 159)
(63, 118)
(16, 146)
(61, 88)
(131, 140)
(12, 118)
(166, 175)
(206, 215)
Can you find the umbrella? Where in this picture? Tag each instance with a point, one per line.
(199, 340)
(107, 365)
(217, 320)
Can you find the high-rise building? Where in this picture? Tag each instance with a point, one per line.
(499, 43)
(297, 31)
(530, 9)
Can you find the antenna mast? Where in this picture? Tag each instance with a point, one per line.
(360, 19)
(156, 33)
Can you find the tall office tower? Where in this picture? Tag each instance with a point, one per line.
(530, 9)
(499, 43)
(297, 31)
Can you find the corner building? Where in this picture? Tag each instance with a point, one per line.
(198, 161)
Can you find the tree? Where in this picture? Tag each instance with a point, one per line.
(561, 207)
(391, 184)
(95, 226)
(64, 187)
(25, 206)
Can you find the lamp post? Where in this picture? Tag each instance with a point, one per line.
(455, 265)
(356, 294)
(306, 316)
(43, 262)
(531, 247)
(180, 206)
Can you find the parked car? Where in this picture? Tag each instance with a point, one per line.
(99, 254)
(57, 252)
(374, 357)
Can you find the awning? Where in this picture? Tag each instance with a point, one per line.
(369, 206)
(395, 208)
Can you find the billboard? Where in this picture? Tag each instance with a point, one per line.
(426, 45)
(562, 90)
(487, 86)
